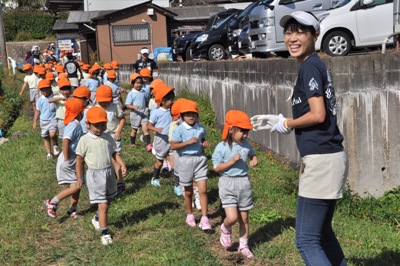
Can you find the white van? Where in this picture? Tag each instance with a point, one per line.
(354, 23)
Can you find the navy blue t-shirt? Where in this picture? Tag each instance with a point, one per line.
(313, 78)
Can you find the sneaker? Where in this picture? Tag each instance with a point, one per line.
(205, 224)
(226, 238)
(56, 150)
(132, 145)
(73, 215)
(106, 240)
(155, 182)
(95, 223)
(141, 138)
(49, 156)
(190, 220)
(244, 249)
(121, 187)
(178, 191)
(149, 147)
(51, 210)
(197, 203)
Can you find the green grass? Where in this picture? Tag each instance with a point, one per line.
(148, 223)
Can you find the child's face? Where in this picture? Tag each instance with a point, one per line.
(239, 134)
(166, 104)
(190, 118)
(104, 105)
(145, 79)
(43, 76)
(137, 84)
(65, 92)
(46, 91)
(111, 80)
(97, 128)
(29, 72)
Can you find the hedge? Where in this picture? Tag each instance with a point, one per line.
(10, 106)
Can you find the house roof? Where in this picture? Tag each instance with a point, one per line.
(67, 5)
(165, 11)
(86, 16)
(63, 25)
(195, 12)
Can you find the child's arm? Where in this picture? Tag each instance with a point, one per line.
(130, 106)
(65, 147)
(35, 118)
(56, 99)
(151, 127)
(226, 165)
(117, 135)
(79, 171)
(254, 161)
(119, 160)
(23, 88)
(180, 145)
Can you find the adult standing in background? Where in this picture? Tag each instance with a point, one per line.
(146, 62)
(324, 163)
(72, 69)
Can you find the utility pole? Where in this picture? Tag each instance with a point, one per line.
(4, 59)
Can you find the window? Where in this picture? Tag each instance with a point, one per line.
(131, 34)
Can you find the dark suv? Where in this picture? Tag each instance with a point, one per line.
(212, 44)
(182, 43)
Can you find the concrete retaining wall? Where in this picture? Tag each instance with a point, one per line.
(368, 98)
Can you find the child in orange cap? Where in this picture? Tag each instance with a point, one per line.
(30, 81)
(97, 149)
(115, 66)
(230, 161)
(93, 82)
(54, 85)
(107, 67)
(47, 113)
(83, 93)
(159, 122)
(85, 71)
(152, 103)
(115, 124)
(136, 102)
(146, 76)
(66, 163)
(189, 140)
(115, 86)
(59, 101)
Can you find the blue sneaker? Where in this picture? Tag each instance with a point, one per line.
(178, 191)
(155, 182)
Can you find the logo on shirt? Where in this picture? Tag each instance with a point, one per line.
(313, 84)
(330, 95)
(296, 100)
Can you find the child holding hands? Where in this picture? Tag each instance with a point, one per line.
(229, 159)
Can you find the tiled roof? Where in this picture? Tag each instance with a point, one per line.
(86, 16)
(195, 12)
(63, 25)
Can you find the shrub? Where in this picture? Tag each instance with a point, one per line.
(23, 36)
(10, 106)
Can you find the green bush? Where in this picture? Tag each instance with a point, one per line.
(23, 36)
(10, 106)
(37, 23)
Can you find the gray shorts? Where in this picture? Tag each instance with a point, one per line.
(101, 184)
(33, 95)
(118, 142)
(161, 146)
(65, 170)
(138, 117)
(235, 192)
(176, 161)
(60, 127)
(192, 166)
(47, 126)
(92, 98)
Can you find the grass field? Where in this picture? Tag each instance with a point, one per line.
(148, 223)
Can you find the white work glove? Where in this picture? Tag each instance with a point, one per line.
(262, 122)
(281, 126)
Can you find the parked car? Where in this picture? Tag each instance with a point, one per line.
(182, 43)
(212, 44)
(244, 40)
(236, 27)
(354, 23)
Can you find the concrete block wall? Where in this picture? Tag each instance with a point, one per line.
(368, 99)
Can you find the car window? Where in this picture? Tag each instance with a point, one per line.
(248, 9)
(223, 22)
(340, 3)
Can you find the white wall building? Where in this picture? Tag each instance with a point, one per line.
(97, 5)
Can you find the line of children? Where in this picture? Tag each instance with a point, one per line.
(30, 82)
(59, 101)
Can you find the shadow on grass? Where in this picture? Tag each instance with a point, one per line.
(141, 215)
(387, 258)
(270, 231)
(92, 209)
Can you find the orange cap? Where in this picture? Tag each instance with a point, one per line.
(111, 74)
(41, 71)
(104, 94)
(114, 64)
(96, 114)
(133, 76)
(107, 66)
(86, 67)
(36, 68)
(50, 76)
(95, 67)
(44, 84)
(81, 91)
(155, 82)
(162, 90)
(63, 82)
(49, 66)
(80, 63)
(73, 107)
(27, 67)
(60, 69)
(189, 106)
(176, 107)
(235, 118)
(63, 76)
(145, 72)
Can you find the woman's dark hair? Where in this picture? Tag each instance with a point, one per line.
(295, 26)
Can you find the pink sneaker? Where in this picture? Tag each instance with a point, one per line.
(205, 224)
(51, 210)
(226, 237)
(190, 220)
(244, 249)
(149, 147)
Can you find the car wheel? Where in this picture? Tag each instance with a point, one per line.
(188, 55)
(216, 52)
(337, 43)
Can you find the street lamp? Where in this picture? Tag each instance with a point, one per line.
(151, 35)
